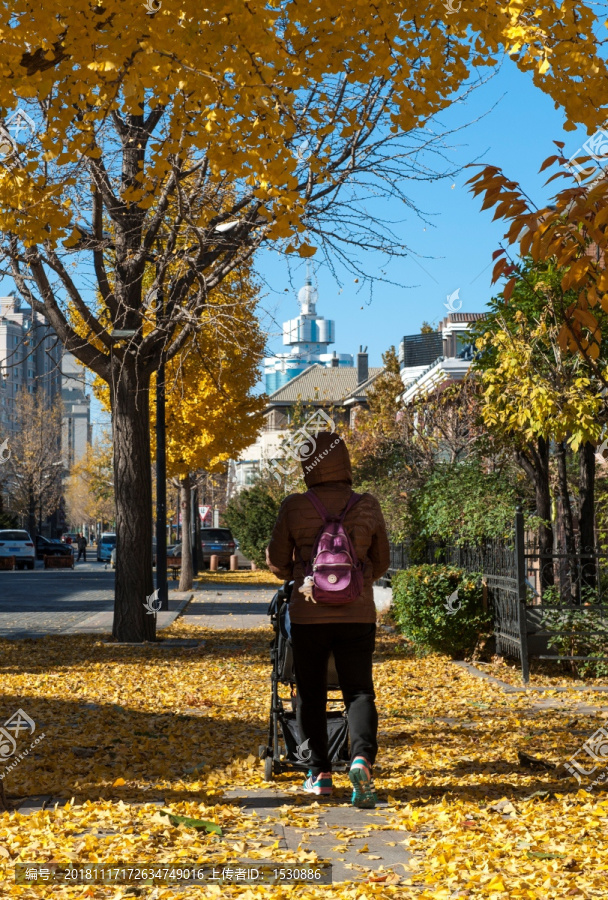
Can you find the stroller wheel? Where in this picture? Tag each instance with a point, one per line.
(262, 751)
(268, 769)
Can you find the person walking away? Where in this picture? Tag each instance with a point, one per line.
(325, 531)
(82, 547)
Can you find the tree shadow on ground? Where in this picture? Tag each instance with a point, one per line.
(88, 746)
(36, 656)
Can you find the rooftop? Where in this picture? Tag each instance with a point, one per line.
(322, 384)
(460, 317)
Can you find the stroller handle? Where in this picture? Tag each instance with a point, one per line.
(281, 597)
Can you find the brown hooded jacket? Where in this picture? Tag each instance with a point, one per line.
(328, 472)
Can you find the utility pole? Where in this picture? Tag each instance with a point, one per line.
(194, 529)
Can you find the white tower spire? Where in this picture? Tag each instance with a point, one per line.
(307, 296)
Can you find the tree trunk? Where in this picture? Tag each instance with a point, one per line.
(564, 493)
(133, 493)
(586, 457)
(535, 463)
(571, 587)
(31, 513)
(185, 577)
(543, 506)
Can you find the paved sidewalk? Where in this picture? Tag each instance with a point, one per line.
(473, 669)
(54, 619)
(359, 843)
(225, 606)
(101, 623)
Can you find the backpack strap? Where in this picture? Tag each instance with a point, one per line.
(354, 498)
(318, 505)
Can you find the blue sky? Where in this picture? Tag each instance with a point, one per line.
(516, 133)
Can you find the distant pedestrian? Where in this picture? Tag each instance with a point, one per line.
(82, 547)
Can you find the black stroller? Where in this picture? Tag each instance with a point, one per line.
(284, 750)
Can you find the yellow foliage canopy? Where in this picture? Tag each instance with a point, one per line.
(229, 80)
(209, 387)
(522, 396)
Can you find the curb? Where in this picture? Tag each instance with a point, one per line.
(512, 689)
(176, 613)
(184, 603)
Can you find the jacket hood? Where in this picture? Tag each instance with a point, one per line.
(328, 462)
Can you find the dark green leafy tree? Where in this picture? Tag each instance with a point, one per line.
(466, 504)
(251, 515)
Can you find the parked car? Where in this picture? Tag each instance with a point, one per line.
(214, 542)
(19, 544)
(105, 545)
(51, 547)
(217, 542)
(69, 537)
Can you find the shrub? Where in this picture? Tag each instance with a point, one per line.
(420, 602)
(251, 516)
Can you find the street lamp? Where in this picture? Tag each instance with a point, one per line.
(161, 468)
(121, 333)
(161, 491)
(118, 334)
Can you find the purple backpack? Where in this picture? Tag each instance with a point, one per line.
(336, 572)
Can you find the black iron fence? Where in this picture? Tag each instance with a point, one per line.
(550, 605)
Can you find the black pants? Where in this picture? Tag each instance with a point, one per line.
(82, 551)
(353, 647)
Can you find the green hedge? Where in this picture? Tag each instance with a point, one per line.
(420, 595)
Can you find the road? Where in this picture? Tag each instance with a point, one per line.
(52, 601)
(47, 601)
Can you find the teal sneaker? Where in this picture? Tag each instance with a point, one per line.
(360, 774)
(320, 784)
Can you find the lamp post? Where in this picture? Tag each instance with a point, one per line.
(161, 492)
(194, 529)
(162, 587)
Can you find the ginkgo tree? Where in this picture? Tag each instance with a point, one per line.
(90, 486)
(178, 142)
(212, 412)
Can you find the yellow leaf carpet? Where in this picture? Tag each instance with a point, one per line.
(130, 730)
